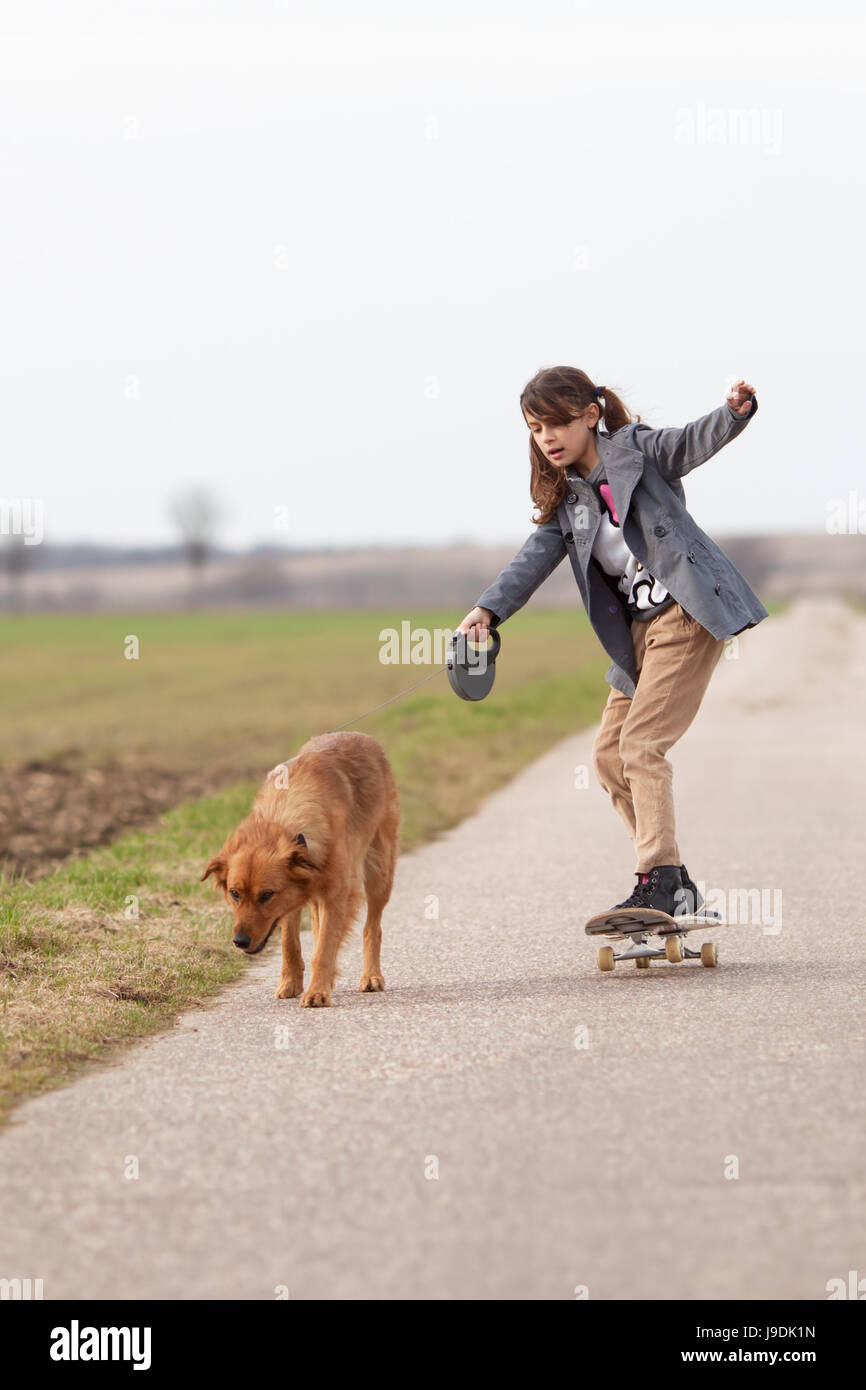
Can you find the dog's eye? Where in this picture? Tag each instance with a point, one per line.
(235, 895)
(265, 897)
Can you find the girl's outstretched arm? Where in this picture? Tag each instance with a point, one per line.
(678, 451)
(537, 558)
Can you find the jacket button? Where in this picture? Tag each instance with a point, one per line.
(691, 557)
(660, 530)
(612, 608)
(569, 537)
(572, 497)
(718, 588)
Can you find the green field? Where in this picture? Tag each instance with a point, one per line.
(112, 945)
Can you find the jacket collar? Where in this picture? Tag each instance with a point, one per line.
(623, 465)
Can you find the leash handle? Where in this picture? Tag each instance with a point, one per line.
(491, 652)
(472, 679)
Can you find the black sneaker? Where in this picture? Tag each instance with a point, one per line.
(663, 891)
(692, 898)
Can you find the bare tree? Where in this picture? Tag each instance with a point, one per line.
(16, 556)
(196, 513)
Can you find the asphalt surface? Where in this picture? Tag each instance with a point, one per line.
(672, 1132)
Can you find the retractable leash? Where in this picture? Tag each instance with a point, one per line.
(471, 677)
(472, 680)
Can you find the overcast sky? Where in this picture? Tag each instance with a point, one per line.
(310, 253)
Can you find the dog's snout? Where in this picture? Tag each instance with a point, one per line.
(240, 940)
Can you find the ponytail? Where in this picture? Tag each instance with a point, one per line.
(612, 410)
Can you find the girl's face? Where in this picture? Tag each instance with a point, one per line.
(566, 444)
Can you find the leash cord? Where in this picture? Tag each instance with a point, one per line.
(388, 702)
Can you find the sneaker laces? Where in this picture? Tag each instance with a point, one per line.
(639, 895)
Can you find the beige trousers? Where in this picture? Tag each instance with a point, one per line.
(675, 658)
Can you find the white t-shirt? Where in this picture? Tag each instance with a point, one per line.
(643, 594)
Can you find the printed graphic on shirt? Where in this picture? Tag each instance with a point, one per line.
(641, 591)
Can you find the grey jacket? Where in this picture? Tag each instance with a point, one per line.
(643, 468)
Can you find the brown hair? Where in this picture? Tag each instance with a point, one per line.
(556, 395)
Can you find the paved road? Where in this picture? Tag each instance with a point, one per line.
(605, 1164)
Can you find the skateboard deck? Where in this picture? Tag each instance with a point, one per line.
(637, 923)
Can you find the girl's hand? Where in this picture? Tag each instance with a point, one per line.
(476, 623)
(739, 397)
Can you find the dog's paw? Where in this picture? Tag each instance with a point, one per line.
(371, 984)
(315, 999)
(289, 989)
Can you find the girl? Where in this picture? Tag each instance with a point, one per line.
(659, 593)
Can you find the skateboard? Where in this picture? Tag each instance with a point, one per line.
(638, 923)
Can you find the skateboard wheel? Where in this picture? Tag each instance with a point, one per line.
(606, 959)
(709, 954)
(674, 949)
(642, 962)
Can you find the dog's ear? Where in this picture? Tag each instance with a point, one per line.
(216, 866)
(299, 860)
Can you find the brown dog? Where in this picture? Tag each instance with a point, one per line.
(323, 830)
